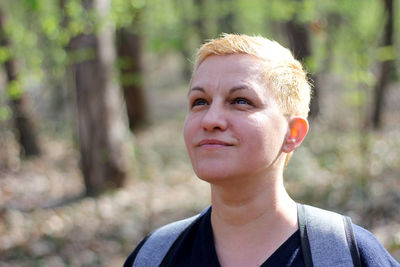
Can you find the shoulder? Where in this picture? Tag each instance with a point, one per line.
(372, 252)
(129, 261)
(157, 244)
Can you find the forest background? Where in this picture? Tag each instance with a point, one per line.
(92, 103)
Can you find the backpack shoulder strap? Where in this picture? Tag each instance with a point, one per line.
(161, 240)
(327, 238)
(351, 241)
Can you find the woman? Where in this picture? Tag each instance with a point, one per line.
(248, 105)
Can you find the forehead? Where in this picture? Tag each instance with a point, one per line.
(223, 66)
(223, 73)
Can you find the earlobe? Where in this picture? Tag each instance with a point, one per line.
(298, 130)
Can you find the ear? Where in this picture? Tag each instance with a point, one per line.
(298, 129)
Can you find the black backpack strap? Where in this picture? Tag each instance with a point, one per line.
(161, 240)
(324, 240)
(351, 240)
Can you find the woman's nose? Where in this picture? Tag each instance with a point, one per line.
(215, 118)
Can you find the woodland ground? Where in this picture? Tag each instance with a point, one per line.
(46, 221)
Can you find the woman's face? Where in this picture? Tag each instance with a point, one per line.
(234, 128)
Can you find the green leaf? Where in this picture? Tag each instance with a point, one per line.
(4, 54)
(14, 90)
(386, 53)
(138, 3)
(5, 113)
(81, 55)
(32, 4)
(356, 98)
(50, 27)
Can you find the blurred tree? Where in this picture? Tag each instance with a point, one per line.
(200, 21)
(387, 66)
(192, 32)
(333, 22)
(300, 44)
(189, 30)
(226, 20)
(130, 66)
(23, 120)
(100, 104)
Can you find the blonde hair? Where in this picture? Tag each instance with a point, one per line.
(282, 73)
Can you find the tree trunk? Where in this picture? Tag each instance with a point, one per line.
(100, 110)
(130, 67)
(387, 67)
(226, 21)
(200, 20)
(334, 22)
(186, 47)
(23, 121)
(300, 44)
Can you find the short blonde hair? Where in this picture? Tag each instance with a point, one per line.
(283, 74)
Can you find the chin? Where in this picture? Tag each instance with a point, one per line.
(212, 176)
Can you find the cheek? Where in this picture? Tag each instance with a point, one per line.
(257, 140)
(263, 137)
(186, 133)
(189, 129)
(255, 130)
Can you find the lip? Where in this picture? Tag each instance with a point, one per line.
(213, 143)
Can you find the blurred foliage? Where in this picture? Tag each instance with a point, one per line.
(342, 165)
(40, 30)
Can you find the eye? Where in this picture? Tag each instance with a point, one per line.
(241, 101)
(199, 102)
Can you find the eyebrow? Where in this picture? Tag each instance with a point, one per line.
(240, 87)
(196, 88)
(233, 89)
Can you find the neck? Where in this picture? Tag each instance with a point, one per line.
(239, 204)
(256, 212)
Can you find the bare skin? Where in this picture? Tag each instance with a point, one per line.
(237, 139)
(246, 230)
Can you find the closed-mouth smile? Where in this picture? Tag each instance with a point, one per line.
(213, 143)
